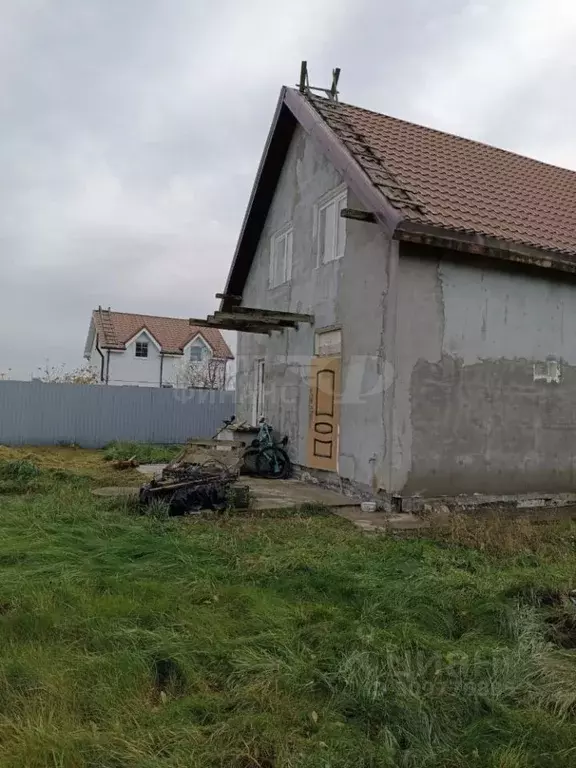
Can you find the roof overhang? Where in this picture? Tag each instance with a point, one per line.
(269, 169)
(482, 245)
(90, 339)
(198, 335)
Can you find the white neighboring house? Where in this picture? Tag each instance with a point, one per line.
(151, 351)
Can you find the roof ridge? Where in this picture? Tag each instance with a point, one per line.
(466, 140)
(143, 314)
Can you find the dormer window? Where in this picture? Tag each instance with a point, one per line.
(198, 351)
(196, 354)
(141, 349)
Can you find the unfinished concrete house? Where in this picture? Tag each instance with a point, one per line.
(424, 291)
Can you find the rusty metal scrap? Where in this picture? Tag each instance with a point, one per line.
(199, 478)
(190, 488)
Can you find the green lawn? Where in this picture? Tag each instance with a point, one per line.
(128, 640)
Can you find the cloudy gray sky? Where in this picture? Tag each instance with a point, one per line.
(130, 131)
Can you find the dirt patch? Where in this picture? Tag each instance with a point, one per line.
(258, 760)
(539, 597)
(562, 629)
(5, 607)
(168, 677)
(558, 610)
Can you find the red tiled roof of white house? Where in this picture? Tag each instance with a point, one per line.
(172, 334)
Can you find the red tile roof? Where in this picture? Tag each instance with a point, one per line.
(172, 334)
(457, 184)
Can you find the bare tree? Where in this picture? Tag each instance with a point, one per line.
(57, 374)
(209, 373)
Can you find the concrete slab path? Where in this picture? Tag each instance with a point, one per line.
(291, 494)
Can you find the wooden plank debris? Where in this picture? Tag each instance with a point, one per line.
(252, 319)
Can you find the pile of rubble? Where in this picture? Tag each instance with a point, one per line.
(200, 477)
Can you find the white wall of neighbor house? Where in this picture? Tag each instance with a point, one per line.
(346, 292)
(95, 359)
(173, 372)
(126, 369)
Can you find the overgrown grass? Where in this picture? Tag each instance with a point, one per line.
(145, 641)
(70, 460)
(504, 533)
(145, 453)
(23, 476)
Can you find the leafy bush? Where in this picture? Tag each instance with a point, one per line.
(20, 469)
(144, 453)
(22, 475)
(18, 476)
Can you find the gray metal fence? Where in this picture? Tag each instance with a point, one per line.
(34, 413)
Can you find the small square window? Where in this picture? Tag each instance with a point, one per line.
(141, 349)
(281, 257)
(331, 228)
(328, 343)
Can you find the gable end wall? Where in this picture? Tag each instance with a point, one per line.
(349, 293)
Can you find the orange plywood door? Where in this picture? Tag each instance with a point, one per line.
(324, 413)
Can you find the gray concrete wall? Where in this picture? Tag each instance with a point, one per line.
(349, 293)
(366, 372)
(468, 414)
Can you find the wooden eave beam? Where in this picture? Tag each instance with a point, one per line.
(232, 325)
(271, 314)
(254, 318)
(229, 297)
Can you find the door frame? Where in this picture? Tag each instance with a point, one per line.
(325, 382)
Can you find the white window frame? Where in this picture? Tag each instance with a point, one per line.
(336, 198)
(281, 246)
(141, 344)
(258, 402)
